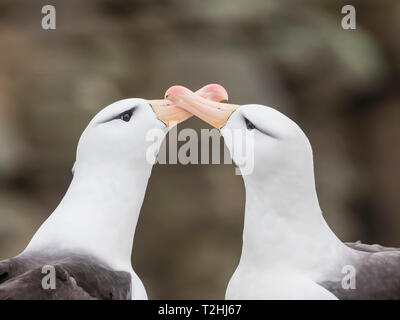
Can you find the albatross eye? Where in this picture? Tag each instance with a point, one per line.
(249, 124)
(126, 116)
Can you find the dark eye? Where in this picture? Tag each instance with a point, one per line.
(126, 116)
(249, 124)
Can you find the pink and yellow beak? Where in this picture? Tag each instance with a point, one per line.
(171, 114)
(210, 111)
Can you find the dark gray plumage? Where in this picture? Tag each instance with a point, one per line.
(377, 274)
(78, 277)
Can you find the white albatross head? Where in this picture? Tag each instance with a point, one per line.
(119, 134)
(279, 148)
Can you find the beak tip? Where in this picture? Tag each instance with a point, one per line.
(175, 90)
(215, 87)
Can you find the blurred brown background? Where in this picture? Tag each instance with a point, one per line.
(341, 86)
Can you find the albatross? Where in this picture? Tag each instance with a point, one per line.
(288, 250)
(87, 241)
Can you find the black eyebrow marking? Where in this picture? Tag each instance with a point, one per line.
(114, 117)
(267, 133)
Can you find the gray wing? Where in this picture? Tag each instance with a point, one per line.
(76, 278)
(377, 274)
(369, 247)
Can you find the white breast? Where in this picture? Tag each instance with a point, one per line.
(274, 284)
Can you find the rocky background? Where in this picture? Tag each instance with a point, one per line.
(341, 86)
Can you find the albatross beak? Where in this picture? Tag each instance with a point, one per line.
(212, 112)
(168, 112)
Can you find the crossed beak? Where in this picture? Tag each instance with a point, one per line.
(211, 111)
(169, 112)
